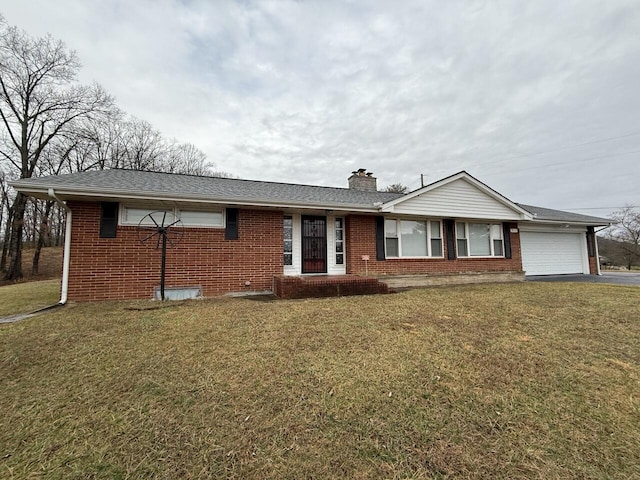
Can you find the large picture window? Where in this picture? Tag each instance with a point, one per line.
(479, 239)
(413, 238)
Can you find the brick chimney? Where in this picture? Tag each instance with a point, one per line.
(363, 181)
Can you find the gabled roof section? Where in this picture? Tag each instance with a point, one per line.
(459, 196)
(548, 215)
(132, 184)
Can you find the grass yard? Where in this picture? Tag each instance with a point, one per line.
(27, 297)
(50, 265)
(528, 380)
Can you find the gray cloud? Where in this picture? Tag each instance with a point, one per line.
(307, 91)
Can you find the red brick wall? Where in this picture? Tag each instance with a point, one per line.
(121, 268)
(323, 286)
(593, 265)
(593, 261)
(361, 240)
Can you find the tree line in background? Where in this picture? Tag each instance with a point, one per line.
(620, 246)
(51, 124)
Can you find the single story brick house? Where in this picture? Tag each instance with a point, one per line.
(244, 236)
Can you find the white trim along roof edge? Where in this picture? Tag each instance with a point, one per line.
(117, 194)
(526, 215)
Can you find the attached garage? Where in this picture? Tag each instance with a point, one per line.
(554, 252)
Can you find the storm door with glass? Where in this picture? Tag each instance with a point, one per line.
(314, 244)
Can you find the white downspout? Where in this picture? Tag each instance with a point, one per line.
(67, 248)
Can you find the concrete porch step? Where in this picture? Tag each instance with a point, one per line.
(409, 281)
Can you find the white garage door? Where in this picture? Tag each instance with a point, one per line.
(546, 253)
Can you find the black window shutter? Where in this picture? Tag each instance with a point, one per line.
(506, 238)
(231, 231)
(108, 219)
(590, 242)
(449, 227)
(380, 238)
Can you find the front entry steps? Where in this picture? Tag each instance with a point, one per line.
(326, 286)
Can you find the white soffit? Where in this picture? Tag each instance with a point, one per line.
(460, 196)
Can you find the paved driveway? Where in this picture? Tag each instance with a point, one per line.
(618, 278)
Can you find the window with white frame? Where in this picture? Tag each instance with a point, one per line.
(133, 215)
(479, 239)
(201, 218)
(436, 238)
(288, 240)
(413, 238)
(339, 233)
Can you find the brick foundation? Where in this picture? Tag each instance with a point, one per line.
(123, 268)
(326, 286)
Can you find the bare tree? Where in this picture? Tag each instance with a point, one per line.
(144, 147)
(627, 233)
(52, 162)
(4, 199)
(186, 158)
(6, 214)
(95, 143)
(396, 188)
(39, 100)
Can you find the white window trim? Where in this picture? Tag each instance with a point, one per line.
(295, 268)
(467, 239)
(399, 237)
(284, 252)
(176, 213)
(335, 243)
(222, 212)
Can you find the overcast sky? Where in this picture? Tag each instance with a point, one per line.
(540, 100)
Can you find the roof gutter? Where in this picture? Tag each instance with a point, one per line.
(158, 196)
(580, 223)
(67, 247)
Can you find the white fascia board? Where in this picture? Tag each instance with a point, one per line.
(465, 176)
(551, 228)
(41, 192)
(536, 221)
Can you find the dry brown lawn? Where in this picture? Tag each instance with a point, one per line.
(495, 381)
(50, 265)
(27, 297)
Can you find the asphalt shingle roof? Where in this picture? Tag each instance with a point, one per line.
(229, 189)
(214, 188)
(562, 216)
